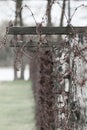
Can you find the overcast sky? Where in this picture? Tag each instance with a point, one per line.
(7, 12)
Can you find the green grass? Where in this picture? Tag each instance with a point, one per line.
(16, 106)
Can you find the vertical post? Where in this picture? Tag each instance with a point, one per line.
(45, 88)
(70, 96)
(69, 40)
(46, 97)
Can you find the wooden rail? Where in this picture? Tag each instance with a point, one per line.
(45, 30)
(32, 44)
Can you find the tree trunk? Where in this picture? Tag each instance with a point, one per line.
(62, 18)
(19, 22)
(22, 70)
(48, 13)
(15, 73)
(63, 13)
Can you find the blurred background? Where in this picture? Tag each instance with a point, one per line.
(8, 13)
(17, 109)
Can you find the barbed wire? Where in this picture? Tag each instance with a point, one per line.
(38, 29)
(68, 115)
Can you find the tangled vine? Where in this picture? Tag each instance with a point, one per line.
(59, 95)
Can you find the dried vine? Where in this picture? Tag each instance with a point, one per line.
(59, 82)
(45, 92)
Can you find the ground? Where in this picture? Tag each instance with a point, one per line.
(16, 106)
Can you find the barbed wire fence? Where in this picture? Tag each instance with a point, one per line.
(61, 90)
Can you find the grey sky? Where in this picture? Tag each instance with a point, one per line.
(7, 12)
